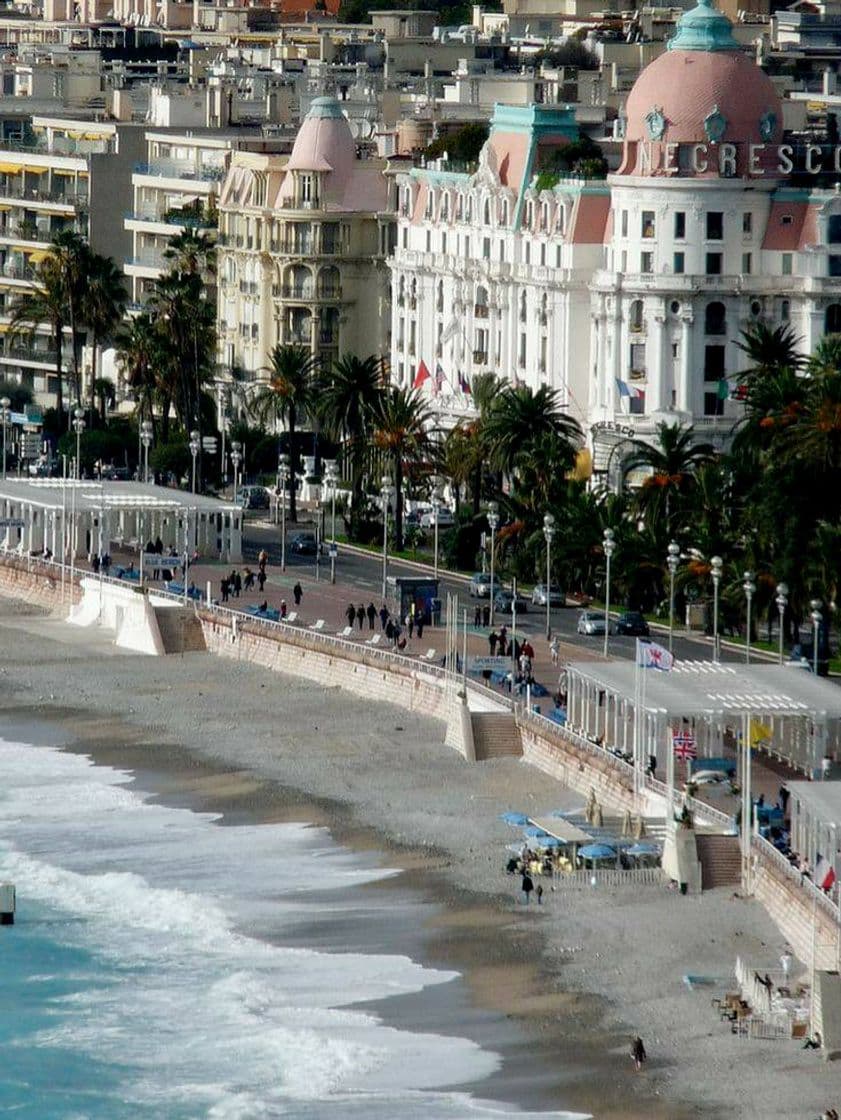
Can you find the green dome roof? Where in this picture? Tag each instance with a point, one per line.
(703, 28)
(327, 108)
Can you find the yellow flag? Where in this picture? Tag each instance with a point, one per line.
(759, 732)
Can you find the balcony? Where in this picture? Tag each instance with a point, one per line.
(480, 311)
(18, 272)
(480, 357)
(12, 187)
(298, 338)
(298, 291)
(173, 169)
(28, 354)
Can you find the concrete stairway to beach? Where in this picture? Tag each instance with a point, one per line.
(720, 859)
(180, 630)
(495, 735)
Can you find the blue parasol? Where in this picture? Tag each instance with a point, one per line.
(533, 832)
(643, 848)
(515, 819)
(597, 851)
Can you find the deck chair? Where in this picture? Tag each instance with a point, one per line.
(374, 640)
(346, 633)
(318, 624)
(428, 656)
(291, 617)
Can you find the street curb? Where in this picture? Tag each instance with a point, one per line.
(418, 565)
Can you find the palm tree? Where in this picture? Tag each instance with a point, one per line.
(69, 256)
(401, 429)
(103, 302)
(138, 347)
(455, 458)
(45, 303)
(672, 462)
(288, 396)
(103, 388)
(191, 253)
(519, 416)
(347, 398)
(769, 349)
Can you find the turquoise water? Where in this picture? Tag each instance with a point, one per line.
(135, 985)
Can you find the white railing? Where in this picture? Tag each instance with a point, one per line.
(548, 727)
(766, 853)
(612, 877)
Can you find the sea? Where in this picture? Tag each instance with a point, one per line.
(141, 979)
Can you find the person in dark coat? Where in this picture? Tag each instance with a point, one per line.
(384, 615)
(477, 617)
(493, 638)
(159, 546)
(527, 886)
(502, 648)
(372, 614)
(360, 615)
(297, 592)
(389, 629)
(261, 578)
(486, 615)
(350, 614)
(638, 1053)
(419, 625)
(237, 585)
(223, 587)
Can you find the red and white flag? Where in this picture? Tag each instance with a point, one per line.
(824, 873)
(684, 745)
(650, 655)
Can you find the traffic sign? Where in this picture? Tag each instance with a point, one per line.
(209, 443)
(333, 551)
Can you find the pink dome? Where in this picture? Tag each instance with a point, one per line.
(324, 143)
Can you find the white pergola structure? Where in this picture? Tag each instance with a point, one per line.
(726, 705)
(78, 517)
(815, 809)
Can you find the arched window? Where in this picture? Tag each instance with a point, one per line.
(529, 214)
(635, 316)
(328, 283)
(486, 212)
(561, 223)
(715, 318)
(480, 305)
(503, 212)
(413, 296)
(544, 216)
(401, 291)
(459, 207)
(445, 206)
(468, 209)
(832, 319)
(785, 310)
(298, 283)
(523, 307)
(439, 299)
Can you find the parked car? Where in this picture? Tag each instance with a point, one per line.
(303, 544)
(480, 586)
(504, 602)
(445, 519)
(593, 622)
(253, 497)
(633, 623)
(557, 598)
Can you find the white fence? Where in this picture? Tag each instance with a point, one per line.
(611, 877)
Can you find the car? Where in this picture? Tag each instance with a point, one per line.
(633, 623)
(480, 586)
(592, 622)
(505, 603)
(253, 497)
(445, 519)
(557, 598)
(303, 544)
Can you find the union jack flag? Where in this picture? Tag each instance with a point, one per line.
(684, 745)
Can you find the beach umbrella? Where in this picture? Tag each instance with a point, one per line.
(627, 823)
(598, 816)
(643, 848)
(597, 851)
(533, 832)
(639, 827)
(516, 820)
(549, 842)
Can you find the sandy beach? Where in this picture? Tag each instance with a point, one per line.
(557, 990)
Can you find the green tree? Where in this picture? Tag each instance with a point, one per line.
(401, 429)
(521, 416)
(20, 395)
(287, 397)
(102, 306)
(45, 303)
(672, 464)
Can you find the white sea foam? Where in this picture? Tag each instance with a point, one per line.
(207, 1018)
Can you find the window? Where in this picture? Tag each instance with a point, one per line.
(637, 359)
(443, 242)
(636, 406)
(680, 225)
(833, 229)
(307, 188)
(715, 225)
(480, 305)
(523, 307)
(635, 316)
(785, 310)
(646, 262)
(647, 223)
(486, 213)
(713, 363)
(523, 350)
(557, 256)
(715, 318)
(543, 254)
(624, 223)
(747, 262)
(714, 264)
(445, 206)
(439, 299)
(834, 265)
(747, 223)
(502, 250)
(527, 252)
(786, 263)
(331, 237)
(786, 220)
(429, 241)
(832, 319)
(713, 404)
(679, 260)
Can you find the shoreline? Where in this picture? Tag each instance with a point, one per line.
(381, 780)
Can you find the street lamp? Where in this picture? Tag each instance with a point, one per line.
(716, 565)
(331, 478)
(609, 547)
(283, 475)
(146, 439)
(386, 490)
(782, 603)
(548, 533)
(5, 414)
(493, 522)
(435, 499)
(78, 428)
(748, 587)
(672, 560)
(817, 619)
(236, 459)
(195, 444)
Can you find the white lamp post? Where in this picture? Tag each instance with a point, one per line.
(195, 444)
(817, 619)
(236, 459)
(331, 478)
(386, 490)
(283, 475)
(5, 413)
(782, 603)
(493, 522)
(146, 440)
(748, 587)
(435, 499)
(609, 547)
(672, 560)
(78, 428)
(548, 533)
(716, 566)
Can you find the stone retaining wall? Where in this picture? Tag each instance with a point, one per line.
(39, 584)
(578, 769)
(792, 910)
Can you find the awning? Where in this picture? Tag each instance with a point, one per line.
(35, 170)
(65, 171)
(563, 830)
(37, 255)
(11, 169)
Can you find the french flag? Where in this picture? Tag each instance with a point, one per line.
(626, 390)
(824, 873)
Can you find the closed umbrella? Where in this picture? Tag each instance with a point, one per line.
(627, 823)
(639, 827)
(591, 805)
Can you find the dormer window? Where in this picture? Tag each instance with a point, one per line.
(307, 188)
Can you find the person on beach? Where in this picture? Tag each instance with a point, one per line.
(527, 885)
(372, 615)
(384, 614)
(297, 593)
(360, 615)
(261, 578)
(350, 614)
(539, 893)
(638, 1053)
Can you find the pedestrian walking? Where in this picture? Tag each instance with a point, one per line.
(486, 615)
(283, 609)
(372, 614)
(350, 614)
(477, 617)
(384, 614)
(501, 648)
(539, 894)
(237, 585)
(638, 1053)
(410, 623)
(261, 578)
(297, 592)
(389, 629)
(826, 768)
(360, 615)
(419, 625)
(554, 649)
(493, 638)
(527, 886)
(262, 559)
(223, 587)
(248, 582)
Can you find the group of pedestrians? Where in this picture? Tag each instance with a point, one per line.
(233, 584)
(357, 615)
